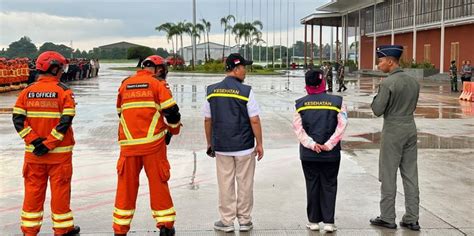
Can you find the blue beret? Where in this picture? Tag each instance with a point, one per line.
(389, 51)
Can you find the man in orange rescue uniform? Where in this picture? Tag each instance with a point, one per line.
(43, 116)
(147, 112)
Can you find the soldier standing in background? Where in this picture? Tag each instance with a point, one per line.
(453, 75)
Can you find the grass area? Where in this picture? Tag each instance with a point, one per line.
(254, 72)
(118, 61)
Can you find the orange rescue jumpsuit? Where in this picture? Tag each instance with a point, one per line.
(142, 103)
(45, 109)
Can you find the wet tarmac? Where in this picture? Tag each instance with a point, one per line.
(446, 169)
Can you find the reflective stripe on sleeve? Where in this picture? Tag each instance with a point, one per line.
(57, 135)
(69, 111)
(168, 103)
(24, 132)
(20, 111)
(43, 114)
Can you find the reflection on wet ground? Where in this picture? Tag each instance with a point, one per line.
(425, 141)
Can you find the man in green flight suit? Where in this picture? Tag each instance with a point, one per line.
(453, 75)
(396, 100)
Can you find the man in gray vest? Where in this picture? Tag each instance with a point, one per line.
(232, 125)
(396, 101)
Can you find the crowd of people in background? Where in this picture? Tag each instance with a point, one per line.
(17, 73)
(13, 73)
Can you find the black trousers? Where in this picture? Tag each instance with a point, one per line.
(321, 189)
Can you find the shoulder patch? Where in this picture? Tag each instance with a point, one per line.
(63, 86)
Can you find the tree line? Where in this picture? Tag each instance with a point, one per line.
(24, 47)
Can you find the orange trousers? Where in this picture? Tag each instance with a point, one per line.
(36, 181)
(157, 170)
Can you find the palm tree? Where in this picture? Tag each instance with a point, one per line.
(181, 29)
(248, 32)
(225, 21)
(193, 31)
(207, 27)
(168, 28)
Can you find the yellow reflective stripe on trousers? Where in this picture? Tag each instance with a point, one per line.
(28, 223)
(57, 135)
(161, 219)
(143, 140)
(122, 221)
(64, 224)
(318, 108)
(64, 216)
(167, 103)
(228, 95)
(69, 111)
(164, 212)
(24, 132)
(154, 122)
(43, 114)
(64, 149)
(31, 215)
(17, 110)
(148, 104)
(128, 135)
(124, 212)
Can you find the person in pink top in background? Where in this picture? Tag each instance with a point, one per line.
(319, 124)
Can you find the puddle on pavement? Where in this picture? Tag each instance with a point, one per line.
(425, 141)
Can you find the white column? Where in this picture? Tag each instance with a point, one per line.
(414, 30)
(393, 32)
(359, 43)
(375, 39)
(342, 39)
(347, 37)
(331, 44)
(441, 48)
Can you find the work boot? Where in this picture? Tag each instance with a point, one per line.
(74, 231)
(379, 222)
(167, 232)
(344, 89)
(120, 234)
(413, 226)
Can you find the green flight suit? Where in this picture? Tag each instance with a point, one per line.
(396, 101)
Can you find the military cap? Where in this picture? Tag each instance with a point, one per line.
(389, 51)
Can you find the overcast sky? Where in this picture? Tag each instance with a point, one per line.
(91, 23)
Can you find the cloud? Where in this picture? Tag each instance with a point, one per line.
(42, 27)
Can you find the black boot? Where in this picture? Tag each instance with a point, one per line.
(74, 231)
(379, 222)
(167, 232)
(413, 226)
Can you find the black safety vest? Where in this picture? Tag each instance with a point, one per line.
(319, 117)
(231, 129)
